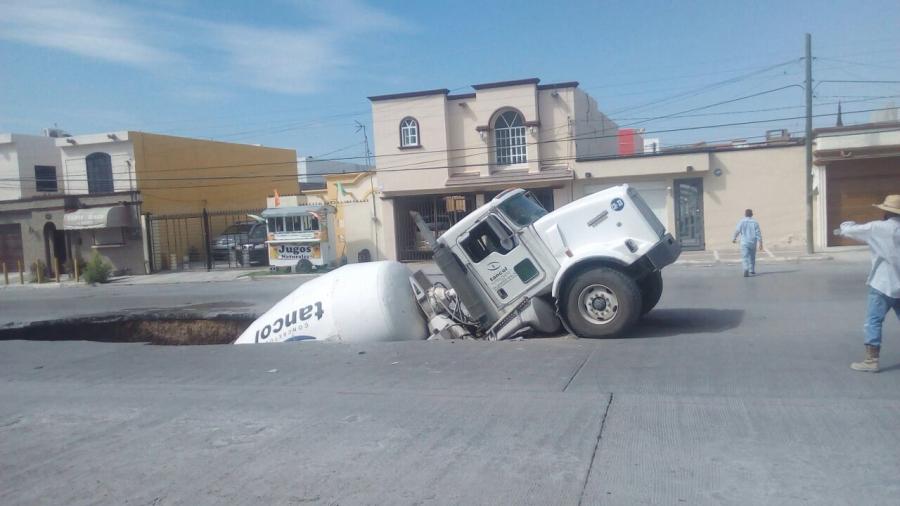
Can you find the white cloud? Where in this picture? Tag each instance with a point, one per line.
(201, 54)
(278, 60)
(83, 27)
(352, 15)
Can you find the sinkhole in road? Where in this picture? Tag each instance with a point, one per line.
(163, 331)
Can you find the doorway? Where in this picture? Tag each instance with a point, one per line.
(54, 246)
(689, 213)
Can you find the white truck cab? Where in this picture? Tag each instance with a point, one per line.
(595, 263)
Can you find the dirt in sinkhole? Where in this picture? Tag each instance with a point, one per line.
(155, 331)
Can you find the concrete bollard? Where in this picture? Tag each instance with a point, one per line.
(21, 273)
(56, 268)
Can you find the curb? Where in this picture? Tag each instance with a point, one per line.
(777, 260)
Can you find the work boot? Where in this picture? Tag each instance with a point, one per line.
(870, 364)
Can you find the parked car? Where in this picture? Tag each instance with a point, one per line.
(231, 239)
(254, 250)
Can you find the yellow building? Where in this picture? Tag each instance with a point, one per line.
(359, 228)
(138, 199)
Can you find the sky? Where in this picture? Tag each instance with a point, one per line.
(296, 74)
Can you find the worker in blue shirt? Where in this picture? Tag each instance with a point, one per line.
(748, 230)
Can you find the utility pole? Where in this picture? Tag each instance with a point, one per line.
(809, 141)
(360, 126)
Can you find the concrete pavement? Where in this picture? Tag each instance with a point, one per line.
(734, 391)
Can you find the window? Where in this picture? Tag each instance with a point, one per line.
(297, 223)
(509, 138)
(258, 233)
(45, 178)
(409, 133)
(488, 237)
(523, 209)
(99, 173)
(308, 222)
(108, 237)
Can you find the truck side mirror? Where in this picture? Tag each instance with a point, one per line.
(424, 229)
(503, 234)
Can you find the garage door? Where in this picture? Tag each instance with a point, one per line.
(654, 192)
(11, 245)
(853, 187)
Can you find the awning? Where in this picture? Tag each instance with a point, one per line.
(97, 217)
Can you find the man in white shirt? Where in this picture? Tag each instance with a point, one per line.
(748, 230)
(883, 238)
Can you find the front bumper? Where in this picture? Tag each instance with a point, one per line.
(665, 252)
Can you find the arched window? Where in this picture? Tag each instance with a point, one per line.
(409, 133)
(99, 173)
(509, 138)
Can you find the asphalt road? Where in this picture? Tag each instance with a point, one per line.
(21, 305)
(734, 391)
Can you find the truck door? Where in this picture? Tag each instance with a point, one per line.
(503, 265)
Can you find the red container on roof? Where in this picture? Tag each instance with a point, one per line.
(631, 141)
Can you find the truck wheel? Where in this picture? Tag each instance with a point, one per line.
(602, 302)
(651, 290)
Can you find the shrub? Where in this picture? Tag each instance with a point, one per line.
(36, 266)
(96, 270)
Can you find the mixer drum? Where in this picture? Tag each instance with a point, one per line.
(356, 303)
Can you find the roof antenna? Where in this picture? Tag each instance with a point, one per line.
(361, 127)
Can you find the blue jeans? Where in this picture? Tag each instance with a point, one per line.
(748, 256)
(877, 309)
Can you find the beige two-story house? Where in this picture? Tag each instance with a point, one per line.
(444, 154)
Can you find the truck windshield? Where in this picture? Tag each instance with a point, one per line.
(523, 209)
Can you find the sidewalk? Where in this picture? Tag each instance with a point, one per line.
(733, 256)
(162, 278)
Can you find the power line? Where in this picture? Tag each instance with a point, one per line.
(709, 86)
(858, 81)
(338, 150)
(672, 149)
(480, 164)
(773, 90)
(861, 64)
(488, 149)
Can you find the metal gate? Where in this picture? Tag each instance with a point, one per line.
(192, 240)
(440, 212)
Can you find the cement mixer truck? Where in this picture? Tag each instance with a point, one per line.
(509, 269)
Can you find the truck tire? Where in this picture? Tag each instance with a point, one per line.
(651, 290)
(602, 302)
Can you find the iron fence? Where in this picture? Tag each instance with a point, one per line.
(440, 212)
(205, 240)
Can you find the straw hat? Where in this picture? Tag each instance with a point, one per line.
(891, 204)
